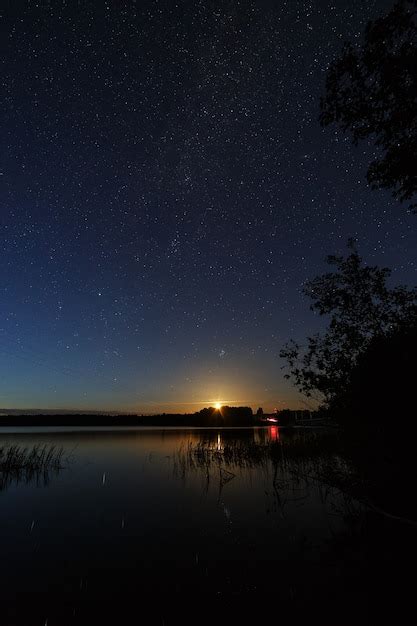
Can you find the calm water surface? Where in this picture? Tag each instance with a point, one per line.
(124, 517)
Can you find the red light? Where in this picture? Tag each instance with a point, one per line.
(274, 433)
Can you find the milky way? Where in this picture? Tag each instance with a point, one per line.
(166, 190)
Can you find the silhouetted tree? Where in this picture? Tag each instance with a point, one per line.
(226, 416)
(361, 307)
(286, 417)
(371, 91)
(381, 387)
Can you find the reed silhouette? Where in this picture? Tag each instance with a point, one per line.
(25, 464)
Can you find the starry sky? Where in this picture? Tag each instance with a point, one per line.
(166, 189)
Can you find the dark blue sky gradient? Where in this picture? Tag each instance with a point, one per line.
(166, 189)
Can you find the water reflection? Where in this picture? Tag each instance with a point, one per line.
(188, 512)
(290, 475)
(274, 433)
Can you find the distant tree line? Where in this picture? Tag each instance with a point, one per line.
(226, 416)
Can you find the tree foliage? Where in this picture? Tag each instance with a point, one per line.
(360, 307)
(381, 388)
(371, 91)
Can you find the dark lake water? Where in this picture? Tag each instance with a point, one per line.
(127, 519)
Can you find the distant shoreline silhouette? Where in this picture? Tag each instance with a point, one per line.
(211, 416)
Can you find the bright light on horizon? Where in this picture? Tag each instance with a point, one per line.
(218, 405)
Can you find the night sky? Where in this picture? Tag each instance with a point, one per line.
(166, 190)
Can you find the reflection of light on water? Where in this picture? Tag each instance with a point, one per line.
(216, 445)
(226, 512)
(273, 433)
